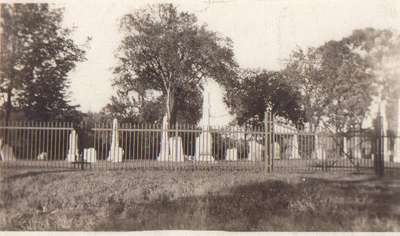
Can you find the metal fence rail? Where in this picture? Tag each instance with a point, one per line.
(34, 143)
(273, 146)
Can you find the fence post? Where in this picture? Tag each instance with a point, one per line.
(379, 151)
(268, 148)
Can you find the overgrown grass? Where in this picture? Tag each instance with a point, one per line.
(239, 201)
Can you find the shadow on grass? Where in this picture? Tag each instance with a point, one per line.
(31, 173)
(315, 205)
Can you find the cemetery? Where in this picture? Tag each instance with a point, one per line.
(135, 116)
(116, 146)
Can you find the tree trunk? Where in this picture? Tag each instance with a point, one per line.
(170, 107)
(8, 108)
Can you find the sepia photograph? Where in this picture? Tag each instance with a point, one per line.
(213, 116)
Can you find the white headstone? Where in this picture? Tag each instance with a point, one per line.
(355, 147)
(72, 147)
(90, 155)
(231, 154)
(176, 149)
(203, 151)
(255, 151)
(318, 151)
(42, 156)
(116, 152)
(344, 147)
(7, 153)
(295, 147)
(277, 150)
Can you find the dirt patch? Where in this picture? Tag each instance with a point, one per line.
(200, 200)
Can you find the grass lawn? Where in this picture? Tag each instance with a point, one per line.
(66, 199)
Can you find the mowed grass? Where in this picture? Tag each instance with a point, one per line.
(57, 199)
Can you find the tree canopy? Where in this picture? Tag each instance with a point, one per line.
(335, 83)
(37, 53)
(170, 52)
(249, 96)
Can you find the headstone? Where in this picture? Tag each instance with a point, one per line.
(72, 147)
(42, 156)
(231, 154)
(164, 147)
(116, 152)
(90, 155)
(277, 150)
(203, 150)
(295, 147)
(255, 151)
(6, 152)
(356, 147)
(116, 155)
(319, 151)
(344, 147)
(176, 149)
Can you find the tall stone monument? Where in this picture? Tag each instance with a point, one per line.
(73, 152)
(164, 147)
(171, 148)
(203, 151)
(116, 152)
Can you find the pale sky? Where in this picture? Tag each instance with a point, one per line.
(263, 34)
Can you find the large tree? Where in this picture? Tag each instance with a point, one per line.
(335, 84)
(168, 51)
(139, 107)
(381, 50)
(249, 96)
(37, 53)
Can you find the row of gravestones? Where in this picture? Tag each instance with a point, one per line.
(172, 152)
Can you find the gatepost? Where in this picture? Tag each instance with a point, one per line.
(379, 150)
(269, 141)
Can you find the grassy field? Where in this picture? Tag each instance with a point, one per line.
(65, 199)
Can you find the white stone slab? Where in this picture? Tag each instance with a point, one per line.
(90, 155)
(116, 152)
(164, 146)
(255, 151)
(231, 154)
(203, 151)
(294, 147)
(72, 154)
(42, 156)
(176, 149)
(277, 150)
(7, 153)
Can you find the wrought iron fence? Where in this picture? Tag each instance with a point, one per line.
(273, 146)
